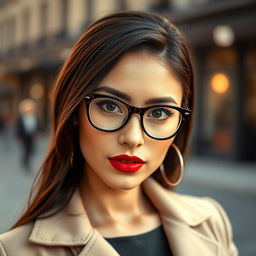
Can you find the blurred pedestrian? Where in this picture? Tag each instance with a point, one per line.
(27, 128)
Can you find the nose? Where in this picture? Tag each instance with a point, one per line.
(132, 135)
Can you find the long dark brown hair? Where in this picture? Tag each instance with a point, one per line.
(92, 57)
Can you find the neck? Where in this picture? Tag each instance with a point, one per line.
(106, 205)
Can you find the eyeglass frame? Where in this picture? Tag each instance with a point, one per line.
(185, 113)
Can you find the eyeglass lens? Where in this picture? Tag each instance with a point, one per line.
(110, 114)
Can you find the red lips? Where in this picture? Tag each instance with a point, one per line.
(125, 163)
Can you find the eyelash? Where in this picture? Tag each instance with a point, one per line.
(166, 112)
(102, 103)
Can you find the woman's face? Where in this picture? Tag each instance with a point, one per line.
(141, 77)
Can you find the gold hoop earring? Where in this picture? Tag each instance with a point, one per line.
(162, 170)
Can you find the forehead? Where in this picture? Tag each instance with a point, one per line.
(142, 76)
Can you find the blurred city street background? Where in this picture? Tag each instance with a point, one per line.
(36, 37)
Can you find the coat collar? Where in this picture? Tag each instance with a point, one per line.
(186, 209)
(71, 227)
(181, 216)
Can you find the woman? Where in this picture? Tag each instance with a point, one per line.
(122, 108)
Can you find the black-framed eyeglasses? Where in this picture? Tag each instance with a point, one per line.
(109, 114)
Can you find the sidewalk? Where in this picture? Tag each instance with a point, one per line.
(15, 184)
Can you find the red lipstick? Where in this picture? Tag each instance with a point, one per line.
(125, 163)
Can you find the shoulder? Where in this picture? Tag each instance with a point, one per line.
(208, 218)
(200, 205)
(15, 240)
(198, 210)
(204, 209)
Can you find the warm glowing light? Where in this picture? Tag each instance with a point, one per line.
(37, 91)
(223, 35)
(220, 83)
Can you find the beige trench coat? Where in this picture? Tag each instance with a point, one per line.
(193, 226)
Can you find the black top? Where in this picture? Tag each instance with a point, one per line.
(151, 243)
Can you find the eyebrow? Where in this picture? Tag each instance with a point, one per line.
(126, 97)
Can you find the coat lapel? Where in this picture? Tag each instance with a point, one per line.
(98, 246)
(185, 241)
(71, 226)
(181, 218)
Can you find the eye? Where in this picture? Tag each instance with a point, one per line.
(159, 114)
(109, 106)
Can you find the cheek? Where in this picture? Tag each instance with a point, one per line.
(158, 151)
(94, 144)
(164, 147)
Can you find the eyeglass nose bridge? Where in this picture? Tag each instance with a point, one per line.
(136, 110)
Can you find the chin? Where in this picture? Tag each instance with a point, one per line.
(125, 184)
